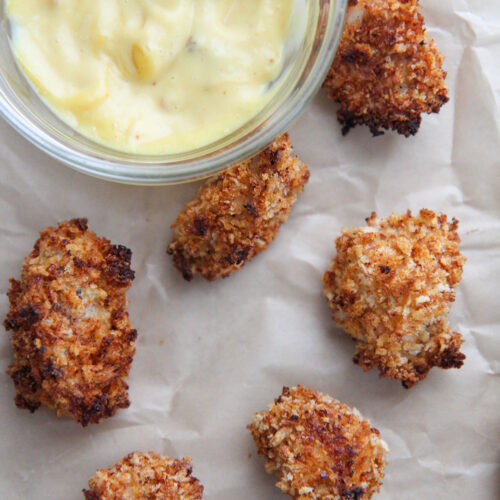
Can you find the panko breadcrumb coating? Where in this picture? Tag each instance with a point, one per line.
(391, 287)
(145, 476)
(386, 72)
(237, 214)
(72, 339)
(319, 447)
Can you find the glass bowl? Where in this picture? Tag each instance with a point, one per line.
(301, 78)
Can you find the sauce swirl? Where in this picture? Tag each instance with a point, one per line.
(152, 76)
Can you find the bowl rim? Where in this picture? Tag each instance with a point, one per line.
(151, 174)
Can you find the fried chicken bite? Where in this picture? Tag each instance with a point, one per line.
(73, 343)
(237, 214)
(319, 447)
(391, 287)
(145, 475)
(386, 72)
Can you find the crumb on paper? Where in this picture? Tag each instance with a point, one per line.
(237, 214)
(391, 287)
(318, 447)
(387, 71)
(73, 343)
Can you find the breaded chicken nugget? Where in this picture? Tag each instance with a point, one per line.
(72, 339)
(237, 214)
(386, 72)
(145, 475)
(391, 287)
(319, 447)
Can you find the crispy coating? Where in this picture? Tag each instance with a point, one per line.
(237, 214)
(386, 72)
(391, 287)
(145, 476)
(72, 339)
(319, 448)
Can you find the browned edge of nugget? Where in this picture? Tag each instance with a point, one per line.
(146, 475)
(238, 213)
(73, 343)
(391, 286)
(386, 72)
(319, 447)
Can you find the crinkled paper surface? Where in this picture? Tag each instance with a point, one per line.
(209, 354)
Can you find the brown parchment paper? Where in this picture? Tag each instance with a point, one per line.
(209, 354)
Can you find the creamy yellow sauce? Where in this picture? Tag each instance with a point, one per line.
(152, 76)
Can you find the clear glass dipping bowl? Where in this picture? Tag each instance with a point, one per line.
(304, 73)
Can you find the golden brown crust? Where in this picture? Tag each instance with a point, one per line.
(386, 72)
(391, 287)
(319, 448)
(145, 475)
(236, 215)
(72, 339)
